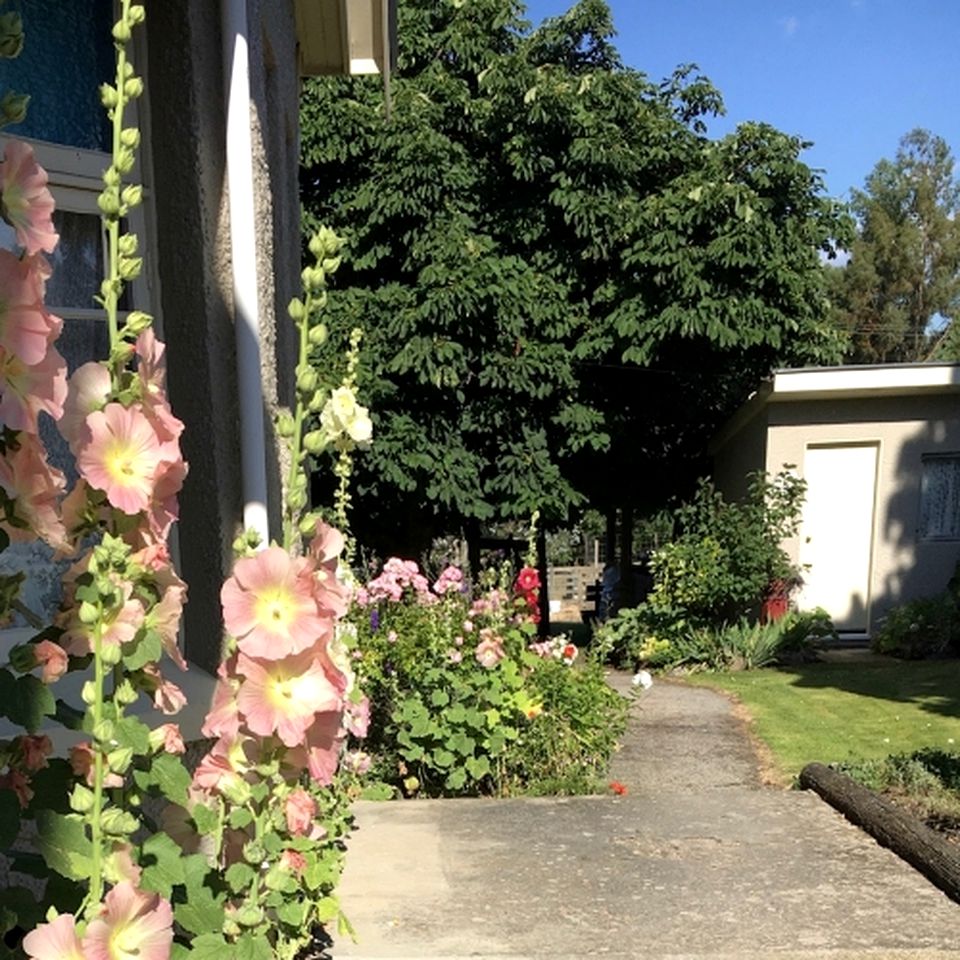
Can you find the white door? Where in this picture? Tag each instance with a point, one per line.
(836, 536)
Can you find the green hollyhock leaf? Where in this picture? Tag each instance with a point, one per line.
(439, 698)
(63, 844)
(162, 863)
(134, 734)
(168, 775)
(206, 818)
(138, 653)
(26, 700)
(478, 767)
(239, 876)
(456, 779)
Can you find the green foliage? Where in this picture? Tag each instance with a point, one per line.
(445, 724)
(723, 559)
(536, 235)
(900, 292)
(924, 627)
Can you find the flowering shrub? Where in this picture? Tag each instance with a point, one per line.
(465, 701)
(239, 857)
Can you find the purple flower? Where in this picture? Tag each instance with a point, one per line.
(374, 619)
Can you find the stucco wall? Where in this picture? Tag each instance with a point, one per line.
(906, 429)
(187, 118)
(744, 453)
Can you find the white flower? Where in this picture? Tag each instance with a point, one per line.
(643, 679)
(342, 414)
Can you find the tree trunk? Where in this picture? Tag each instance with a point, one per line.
(626, 593)
(544, 627)
(906, 836)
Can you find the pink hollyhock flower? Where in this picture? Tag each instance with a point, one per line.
(19, 783)
(268, 605)
(27, 203)
(168, 737)
(450, 578)
(321, 752)
(87, 390)
(52, 658)
(168, 698)
(357, 762)
(282, 696)
(26, 327)
(133, 925)
(489, 650)
(119, 454)
(223, 717)
(35, 750)
(293, 861)
(454, 655)
(324, 549)
(223, 767)
(118, 627)
(152, 373)
(36, 487)
(56, 940)
(300, 809)
(527, 579)
(25, 391)
(356, 717)
(82, 764)
(164, 617)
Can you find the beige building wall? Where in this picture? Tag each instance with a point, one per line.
(905, 428)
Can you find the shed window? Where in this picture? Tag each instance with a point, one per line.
(940, 498)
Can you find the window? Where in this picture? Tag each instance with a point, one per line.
(940, 497)
(67, 127)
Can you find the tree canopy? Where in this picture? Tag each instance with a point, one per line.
(566, 285)
(900, 292)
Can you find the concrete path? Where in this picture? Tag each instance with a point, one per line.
(697, 860)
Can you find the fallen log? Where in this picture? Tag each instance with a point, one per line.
(906, 836)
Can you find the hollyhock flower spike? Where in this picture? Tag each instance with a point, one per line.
(269, 607)
(132, 924)
(87, 390)
(28, 479)
(56, 940)
(527, 579)
(26, 202)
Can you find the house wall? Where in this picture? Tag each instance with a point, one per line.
(185, 89)
(906, 429)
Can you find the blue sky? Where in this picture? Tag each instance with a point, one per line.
(853, 76)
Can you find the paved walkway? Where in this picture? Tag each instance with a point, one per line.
(698, 860)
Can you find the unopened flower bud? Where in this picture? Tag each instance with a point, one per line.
(88, 613)
(11, 34)
(295, 309)
(297, 499)
(133, 87)
(138, 321)
(331, 264)
(318, 335)
(136, 14)
(108, 96)
(132, 195)
(121, 31)
(315, 441)
(307, 380)
(127, 244)
(130, 137)
(125, 159)
(285, 424)
(81, 799)
(317, 247)
(109, 202)
(13, 107)
(130, 267)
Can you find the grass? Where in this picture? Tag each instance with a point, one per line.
(837, 712)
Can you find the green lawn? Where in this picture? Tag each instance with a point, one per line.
(831, 712)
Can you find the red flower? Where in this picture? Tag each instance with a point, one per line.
(527, 579)
(618, 788)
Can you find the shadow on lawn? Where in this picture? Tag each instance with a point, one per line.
(934, 685)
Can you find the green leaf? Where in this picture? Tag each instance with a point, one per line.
(168, 774)
(239, 876)
(253, 946)
(478, 767)
(162, 863)
(239, 818)
(439, 698)
(131, 732)
(442, 758)
(205, 818)
(26, 700)
(148, 649)
(63, 844)
(456, 779)
(203, 910)
(292, 913)
(208, 946)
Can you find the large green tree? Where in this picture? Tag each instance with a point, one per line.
(900, 292)
(565, 283)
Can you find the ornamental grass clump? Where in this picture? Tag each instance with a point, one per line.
(465, 700)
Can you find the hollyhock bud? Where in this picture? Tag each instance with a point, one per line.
(11, 34)
(13, 107)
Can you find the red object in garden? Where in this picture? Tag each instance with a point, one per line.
(618, 788)
(776, 603)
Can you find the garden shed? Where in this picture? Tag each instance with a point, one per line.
(879, 448)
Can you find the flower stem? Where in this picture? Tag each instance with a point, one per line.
(95, 816)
